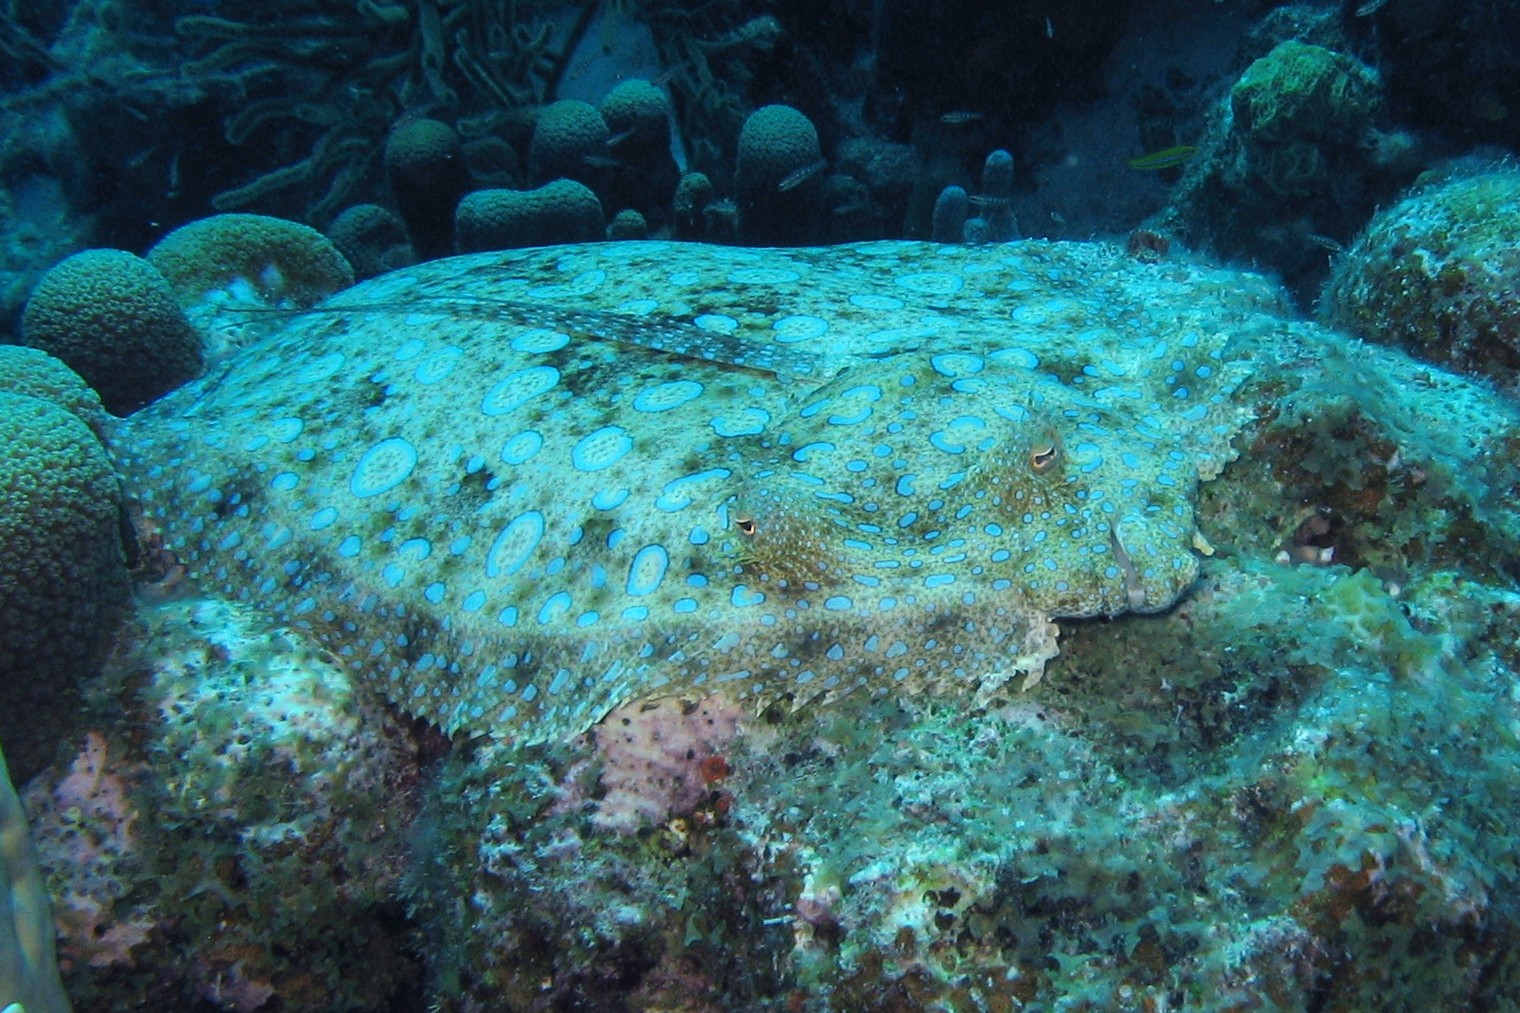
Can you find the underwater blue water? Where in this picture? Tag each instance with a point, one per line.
(759, 505)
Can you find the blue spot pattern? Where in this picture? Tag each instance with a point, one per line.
(886, 467)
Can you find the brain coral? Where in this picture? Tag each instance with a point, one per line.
(568, 135)
(563, 211)
(424, 165)
(694, 192)
(284, 261)
(35, 373)
(222, 266)
(372, 239)
(112, 318)
(638, 106)
(642, 174)
(778, 177)
(1439, 274)
(62, 575)
(628, 224)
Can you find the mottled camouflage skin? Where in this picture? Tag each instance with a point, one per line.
(514, 490)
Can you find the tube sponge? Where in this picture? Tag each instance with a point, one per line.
(113, 319)
(28, 966)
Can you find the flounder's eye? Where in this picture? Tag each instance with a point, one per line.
(1045, 453)
(746, 525)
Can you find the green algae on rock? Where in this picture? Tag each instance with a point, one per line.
(1438, 273)
(791, 474)
(1295, 787)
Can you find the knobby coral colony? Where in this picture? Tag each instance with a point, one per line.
(511, 517)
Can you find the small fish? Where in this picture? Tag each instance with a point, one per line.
(797, 177)
(1050, 28)
(1166, 158)
(593, 162)
(984, 201)
(960, 117)
(1369, 8)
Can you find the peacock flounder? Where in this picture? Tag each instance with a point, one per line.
(514, 490)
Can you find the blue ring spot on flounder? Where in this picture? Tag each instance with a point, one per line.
(801, 327)
(541, 340)
(648, 569)
(515, 544)
(520, 447)
(601, 448)
(515, 389)
(743, 422)
(663, 397)
(383, 467)
(437, 366)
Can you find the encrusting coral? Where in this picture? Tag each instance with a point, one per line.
(255, 809)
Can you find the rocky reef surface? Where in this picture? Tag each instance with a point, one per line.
(377, 741)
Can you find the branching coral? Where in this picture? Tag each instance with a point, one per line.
(707, 49)
(350, 71)
(335, 80)
(311, 90)
(346, 73)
